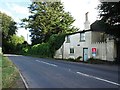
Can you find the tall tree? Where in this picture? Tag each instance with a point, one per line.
(110, 15)
(48, 18)
(8, 28)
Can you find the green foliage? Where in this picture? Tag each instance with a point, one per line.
(0, 60)
(0, 71)
(48, 18)
(110, 14)
(56, 42)
(93, 60)
(70, 59)
(48, 24)
(16, 39)
(46, 49)
(73, 60)
(9, 73)
(41, 50)
(14, 44)
(8, 27)
(25, 49)
(78, 58)
(110, 17)
(11, 43)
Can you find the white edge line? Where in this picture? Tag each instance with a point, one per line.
(98, 78)
(25, 83)
(47, 63)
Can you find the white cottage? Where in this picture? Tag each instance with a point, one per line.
(87, 44)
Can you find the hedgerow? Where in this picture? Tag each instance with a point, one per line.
(46, 49)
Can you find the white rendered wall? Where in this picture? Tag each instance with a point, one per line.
(105, 51)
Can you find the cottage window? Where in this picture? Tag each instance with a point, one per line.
(68, 39)
(82, 37)
(71, 50)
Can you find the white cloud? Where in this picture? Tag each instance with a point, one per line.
(20, 9)
(16, 1)
(17, 12)
(78, 8)
(14, 17)
(25, 33)
(6, 12)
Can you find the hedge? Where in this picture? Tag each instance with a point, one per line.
(46, 49)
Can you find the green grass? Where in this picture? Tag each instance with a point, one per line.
(0, 61)
(9, 73)
(0, 71)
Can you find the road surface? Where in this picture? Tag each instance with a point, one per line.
(50, 73)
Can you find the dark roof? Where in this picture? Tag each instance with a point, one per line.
(79, 32)
(98, 26)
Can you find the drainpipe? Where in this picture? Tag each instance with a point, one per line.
(106, 48)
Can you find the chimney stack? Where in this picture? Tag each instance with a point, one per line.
(87, 23)
(86, 16)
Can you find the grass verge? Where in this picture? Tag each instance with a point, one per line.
(10, 74)
(0, 71)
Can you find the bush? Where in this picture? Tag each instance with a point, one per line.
(78, 58)
(41, 50)
(56, 40)
(25, 50)
(70, 59)
(73, 60)
(46, 49)
(98, 61)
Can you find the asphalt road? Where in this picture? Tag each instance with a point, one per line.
(50, 73)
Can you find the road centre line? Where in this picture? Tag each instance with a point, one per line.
(47, 63)
(90, 76)
(83, 74)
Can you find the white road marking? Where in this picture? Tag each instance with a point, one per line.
(83, 74)
(26, 85)
(25, 82)
(98, 78)
(11, 55)
(47, 63)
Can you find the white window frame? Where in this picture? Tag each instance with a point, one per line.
(72, 51)
(68, 39)
(82, 37)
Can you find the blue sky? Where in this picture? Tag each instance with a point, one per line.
(18, 10)
(11, 6)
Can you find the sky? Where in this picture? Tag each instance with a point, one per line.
(18, 9)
